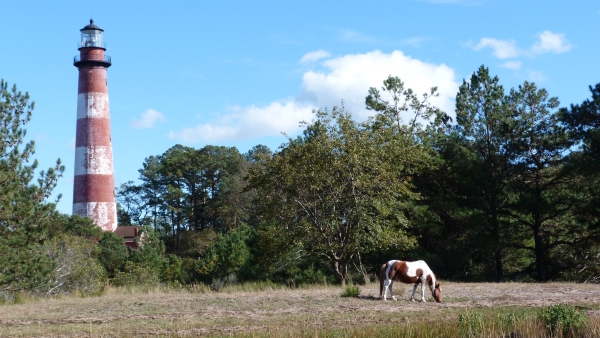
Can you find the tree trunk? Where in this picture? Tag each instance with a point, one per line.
(340, 271)
(540, 265)
(496, 238)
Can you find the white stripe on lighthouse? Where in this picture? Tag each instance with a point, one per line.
(103, 213)
(92, 105)
(94, 160)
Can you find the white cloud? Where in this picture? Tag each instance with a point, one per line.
(349, 77)
(503, 49)
(345, 78)
(149, 118)
(548, 42)
(244, 123)
(512, 64)
(315, 56)
(551, 42)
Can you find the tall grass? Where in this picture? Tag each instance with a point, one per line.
(470, 324)
(15, 298)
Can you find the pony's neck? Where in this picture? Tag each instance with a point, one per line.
(432, 285)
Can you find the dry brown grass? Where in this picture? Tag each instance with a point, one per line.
(272, 311)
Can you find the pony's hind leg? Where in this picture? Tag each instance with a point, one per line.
(414, 290)
(392, 291)
(385, 288)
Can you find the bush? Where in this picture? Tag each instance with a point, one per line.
(113, 252)
(562, 316)
(223, 281)
(136, 275)
(172, 271)
(228, 255)
(351, 291)
(76, 266)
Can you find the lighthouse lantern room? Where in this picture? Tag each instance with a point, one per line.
(92, 36)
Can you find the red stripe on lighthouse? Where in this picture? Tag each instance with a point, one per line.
(93, 132)
(93, 80)
(94, 188)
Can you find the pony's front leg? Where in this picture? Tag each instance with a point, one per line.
(422, 291)
(414, 290)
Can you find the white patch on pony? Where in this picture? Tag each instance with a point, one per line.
(412, 272)
(414, 266)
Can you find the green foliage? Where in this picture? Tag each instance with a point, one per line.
(513, 180)
(150, 252)
(509, 320)
(229, 254)
(173, 270)
(74, 225)
(113, 252)
(340, 185)
(562, 317)
(351, 291)
(188, 190)
(76, 268)
(195, 244)
(136, 275)
(24, 214)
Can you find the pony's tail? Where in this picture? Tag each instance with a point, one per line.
(382, 278)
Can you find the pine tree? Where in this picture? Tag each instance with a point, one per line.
(24, 213)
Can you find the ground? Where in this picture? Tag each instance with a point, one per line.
(181, 313)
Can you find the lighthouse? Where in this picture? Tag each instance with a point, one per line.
(94, 183)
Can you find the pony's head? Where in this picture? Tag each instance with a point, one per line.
(437, 293)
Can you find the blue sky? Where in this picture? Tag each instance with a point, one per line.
(238, 73)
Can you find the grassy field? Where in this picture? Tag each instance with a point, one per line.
(318, 311)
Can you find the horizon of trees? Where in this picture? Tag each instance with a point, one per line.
(508, 191)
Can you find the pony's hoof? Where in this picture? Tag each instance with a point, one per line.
(423, 301)
(394, 298)
(412, 300)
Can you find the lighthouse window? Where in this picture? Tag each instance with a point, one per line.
(91, 38)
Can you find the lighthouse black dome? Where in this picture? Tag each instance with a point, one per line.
(91, 26)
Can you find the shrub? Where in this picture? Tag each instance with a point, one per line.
(228, 255)
(351, 291)
(76, 267)
(172, 271)
(113, 252)
(136, 274)
(223, 281)
(562, 316)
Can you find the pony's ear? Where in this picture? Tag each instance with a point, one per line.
(437, 285)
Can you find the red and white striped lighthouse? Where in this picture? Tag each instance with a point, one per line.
(93, 191)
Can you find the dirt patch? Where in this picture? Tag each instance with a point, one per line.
(183, 313)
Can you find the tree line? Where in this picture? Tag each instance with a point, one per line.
(507, 190)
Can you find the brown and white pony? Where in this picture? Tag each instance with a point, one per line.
(408, 272)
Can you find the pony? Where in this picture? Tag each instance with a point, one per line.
(408, 272)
